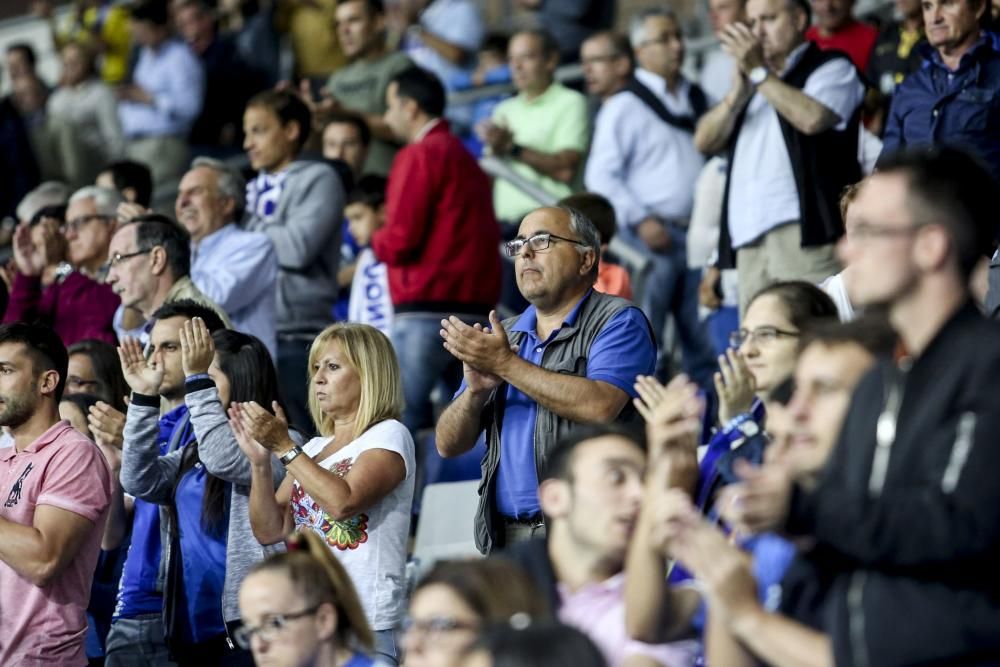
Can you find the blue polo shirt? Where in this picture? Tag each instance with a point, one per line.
(622, 350)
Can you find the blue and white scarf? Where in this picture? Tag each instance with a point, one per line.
(263, 194)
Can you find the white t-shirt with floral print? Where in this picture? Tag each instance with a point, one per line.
(371, 545)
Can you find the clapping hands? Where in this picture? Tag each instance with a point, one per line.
(143, 376)
(270, 431)
(197, 347)
(734, 384)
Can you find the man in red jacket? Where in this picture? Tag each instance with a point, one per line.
(441, 241)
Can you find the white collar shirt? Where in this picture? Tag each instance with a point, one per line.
(644, 166)
(762, 192)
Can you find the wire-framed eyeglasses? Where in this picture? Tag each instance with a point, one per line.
(537, 243)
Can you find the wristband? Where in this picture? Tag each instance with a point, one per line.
(197, 376)
(515, 151)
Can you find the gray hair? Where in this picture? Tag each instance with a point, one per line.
(105, 200)
(49, 193)
(231, 182)
(637, 24)
(590, 238)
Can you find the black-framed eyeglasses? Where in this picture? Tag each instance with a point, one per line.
(76, 223)
(435, 626)
(270, 627)
(760, 335)
(118, 257)
(537, 243)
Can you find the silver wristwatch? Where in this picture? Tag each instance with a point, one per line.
(63, 270)
(290, 455)
(758, 75)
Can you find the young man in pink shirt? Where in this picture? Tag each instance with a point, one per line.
(55, 490)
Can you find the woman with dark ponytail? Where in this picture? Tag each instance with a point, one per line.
(221, 368)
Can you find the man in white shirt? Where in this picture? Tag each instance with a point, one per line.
(234, 268)
(790, 125)
(644, 161)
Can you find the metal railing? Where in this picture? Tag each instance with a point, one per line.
(694, 49)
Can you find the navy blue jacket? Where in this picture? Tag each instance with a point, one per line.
(964, 112)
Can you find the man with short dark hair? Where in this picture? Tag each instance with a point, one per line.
(229, 80)
(440, 239)
(299, 205)
(18, 166)
(347, 137)
(571, 357)
(149, 263)
(790, 125)
(543, 130)
(235, 268)
(943, 103)
(21, 60)
(606, 59)
(157, 417)
(908, 508)
(28, 91)
(361, 85)
(130, 179)
(55, 495)
(591, 492)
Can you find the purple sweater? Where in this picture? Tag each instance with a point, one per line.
(77, 307)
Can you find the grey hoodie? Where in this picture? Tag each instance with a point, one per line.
(305, 229)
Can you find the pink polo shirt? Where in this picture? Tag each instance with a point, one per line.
(598, 611)
(64, 469)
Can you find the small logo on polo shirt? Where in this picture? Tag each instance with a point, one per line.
(15, 491)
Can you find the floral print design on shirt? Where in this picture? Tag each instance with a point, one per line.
(342, 535)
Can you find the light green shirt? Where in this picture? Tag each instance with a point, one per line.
(556, 120)
(361, 88)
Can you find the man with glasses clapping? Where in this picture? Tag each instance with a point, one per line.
(571, 357)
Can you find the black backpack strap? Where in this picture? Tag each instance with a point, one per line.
(649, 98)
